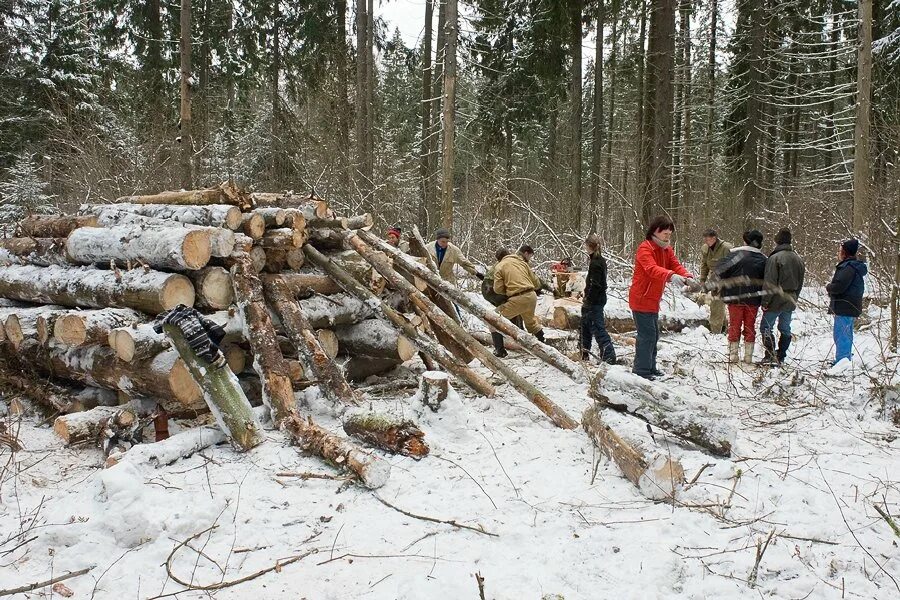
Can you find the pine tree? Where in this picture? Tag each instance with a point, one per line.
(22, 193)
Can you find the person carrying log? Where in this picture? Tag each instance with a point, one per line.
(514, 279)
(447, 256)
(743, 301)
(593, 325)
(712, 252)
(846, 293)
(655, 265)
(784, 269)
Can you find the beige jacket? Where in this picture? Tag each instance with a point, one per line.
(453, 256)
(514, 276)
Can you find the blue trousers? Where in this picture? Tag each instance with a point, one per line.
(647, 325)
(843, 337)
(593, 325)
(784, 322)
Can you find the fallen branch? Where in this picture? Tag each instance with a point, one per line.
(478, 529)
(888, 519)
(34, 586)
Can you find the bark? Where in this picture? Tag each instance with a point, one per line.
(343, 104)
(225, 193)
(422, 341)
(618, 227)
(433, 389)
(175, 248)
(296, 325)
(283, 259)
(750, 153)
(223, 395)
(335, 311)
(862, 159)
(488, 315)
(147, 291)
(643, 209)
(186, 139)
(425, 142)
(575, 11)
(137, 343)
(597, 137)
(86, 426)
(42, 252)
(222, 241)
(47, 226)
(310, 206)
(362, 106)
(268, 362)
(371, 470)
(282, 238)
(302, 285)
(397, 436)
(377, 338)
(664, 408)
(556, 414)
(213, 287)
(448, 158)
(711, 98)
(211, 215)
(651, 470)
(77, 328)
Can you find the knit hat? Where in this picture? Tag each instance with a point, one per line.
(442, 233)
(783, 236)
(850, 247)
(753, 238)
(395, 231)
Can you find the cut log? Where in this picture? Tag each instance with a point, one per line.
(150, 292)
(325, 239)
(235, 358)
(77, 328)
(22, 323)
(49, 226)
(555, 413)
(661, 406)
(296, 370)
(370, 469)
(283, 259)
(86, 426)
(329, 312)
(222, 393)
(46, 322)
(332, 223)
(221, 239)
(363, 221)
(137, 343)
(282, 238)
(213, 288)
(656, 474)
(375, 337)
(173, 248)
(294, 219)
(311, 207)
(42, 252)
(433, 389)
(331, 381)
(273, 216)
(328, 339)
(268, 361)
(213, 215)
(493, 319)
(92, 397)
(226, 193)
(422, 341)
(397, 436)
(254, 225)
(360, 368)
(303, 285)
(357, 266)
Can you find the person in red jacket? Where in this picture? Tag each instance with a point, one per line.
(655, 265)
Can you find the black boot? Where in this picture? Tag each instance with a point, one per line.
(784, 342)
(585, 355)
(769, 346)
(499, 349)
(540, 336)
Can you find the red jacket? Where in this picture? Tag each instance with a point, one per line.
(653, 267)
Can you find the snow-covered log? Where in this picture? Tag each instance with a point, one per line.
(331, 381)
(225, 193)
(283, 238)
(222, 393)
(213, 288)
(341, 452)
(567, 316)
(397, 436)
(269, 364)
(334, 311)
(655, 473)
(51, 226)
(273, 216)
(311, 207)
(46, 322)
(434, 388)
(325, 239)
(213, 215)
(303, 285)
(151, 292)
(42, 252)
(253, 226)
(170, 248)
(360, 368)
(616, 388)
(137, 342)
(77, 328)
(86, 426)
(221, 239)
(375, 337)
(22, 323)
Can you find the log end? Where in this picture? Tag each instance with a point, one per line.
(216, 288)
(329, 342)
(177, 289)
(196, 249)
(13, 331)
(183, 385)
(234, 218)
(405, 348)
(254, 225)
(70, 330)
(61, 428)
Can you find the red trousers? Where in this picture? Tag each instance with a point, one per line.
(742, 317)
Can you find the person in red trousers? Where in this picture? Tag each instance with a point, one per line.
(743, 300)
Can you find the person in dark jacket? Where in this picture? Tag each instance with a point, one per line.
(784, 269)
(846, 292)
(743, 300)
(593, 324)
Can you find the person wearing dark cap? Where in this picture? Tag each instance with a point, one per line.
(514, 279)
(743, 300)
(785, 270)
(447, 255)
(393, 238)
(845, 293)
(712, 252)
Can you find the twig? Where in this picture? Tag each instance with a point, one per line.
(34, 586)
(760, 550)
(480, 580)
(470, 477)
(699, 473)
(807, 539)
(308, 475)
(106, 570)
(478, 529)
(887, 517)
(502, 468)
(351, 555)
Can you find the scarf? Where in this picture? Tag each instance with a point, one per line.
(659, 242)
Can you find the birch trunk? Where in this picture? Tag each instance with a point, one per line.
(212, 215)
(175, 248)
(77, 328)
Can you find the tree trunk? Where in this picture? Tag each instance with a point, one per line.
(750, 153)
(362, 105)
(343, 104)
(41, 252)
(296, 325)
(212, 215)
(597, 138)
(174, 248)
(213, 288)
(388, 433)
(711, 99)
(618, 219)
(642, 209)
(150, 292)
(377, 338)
(370, 93)
(186, 141)
(304, 285)
(862, 160)
(449, 116)
(685, 200)
(226, 193)
(78, 328)
(425, 143)
(434, 387)
(48, 226)
(222, 393)
(575, 38)
(86, 426)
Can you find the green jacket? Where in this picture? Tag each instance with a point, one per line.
(710, 257)
(786, 270)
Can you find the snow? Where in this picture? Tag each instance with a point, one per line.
(812, 456)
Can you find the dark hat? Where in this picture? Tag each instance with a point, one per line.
(711, 233)
(394, 231)
(566, 261)
(783, 236)
(753, 238)
(850, 247)
(442, 233)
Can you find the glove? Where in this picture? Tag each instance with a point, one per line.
(539, 291)
(677, 280)
(479, 275)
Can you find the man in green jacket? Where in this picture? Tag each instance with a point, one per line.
(713, 251)
(784, 269)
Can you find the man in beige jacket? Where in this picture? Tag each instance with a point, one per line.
(714, 250)
(447, 255)
(514, 279)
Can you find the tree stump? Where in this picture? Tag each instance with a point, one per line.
(434, 388)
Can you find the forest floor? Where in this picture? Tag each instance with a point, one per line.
(812, 459)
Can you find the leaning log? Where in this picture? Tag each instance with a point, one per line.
(49, 226)
(397, 436)
(655, 473)
(341, 452)
(77, 328)
(222, 393)
(556, 414)
(375, 337)
(531, 344)
(331, 381)
(213, 215)
(171, 248)
(422, 341)
(663, 407)
(42, 252)
(213, 288)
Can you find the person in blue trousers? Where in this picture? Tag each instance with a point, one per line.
(593, 325)
(846, 293)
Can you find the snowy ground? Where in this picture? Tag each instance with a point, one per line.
(813, 454)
